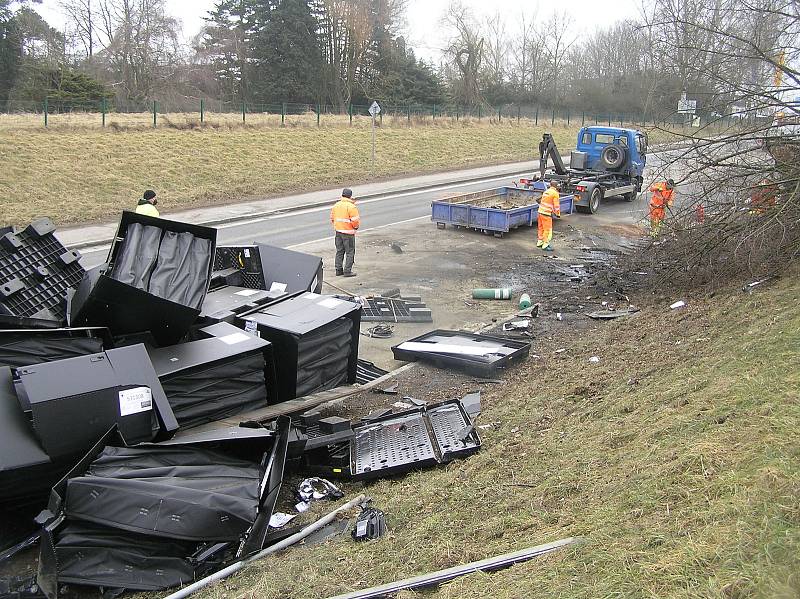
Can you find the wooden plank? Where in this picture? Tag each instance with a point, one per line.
(294, 406)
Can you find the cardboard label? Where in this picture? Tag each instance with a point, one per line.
(251, 327)
(247, 292)
(279, 287)
(133, 401)
(234, 338)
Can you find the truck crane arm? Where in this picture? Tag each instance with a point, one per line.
(548, 151)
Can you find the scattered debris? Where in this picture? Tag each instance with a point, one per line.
(396, 248)
(559, 316)
(379, 331)
(524, 301)
(370, 524)
(750, 286)
(502, 293)
(678, 304)
(611, 314)
(279, 519)
(594, 359)
(315, 489)
(472, 404)
(401, 405)
(367, 372)
(391, 390)
(516, 325)
(395, 309)
(558, 351)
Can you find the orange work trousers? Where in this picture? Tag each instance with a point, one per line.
(656, 218)
(545, 230)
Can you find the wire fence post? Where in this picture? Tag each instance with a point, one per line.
(155, 114)
(569, 113)
(519, 114)
(45, 111)
(457, 111)
(609, 119)
(202, 111)
(553, 118)
(434, 112)
(104, 108)
(583, 118)
(318, 111)
(499, 114)
(480, 112)
(408, 114)
(536, 116)
(244, 112)
(350, 111)
(283, 114)
(380, 118)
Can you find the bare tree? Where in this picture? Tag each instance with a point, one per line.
(81, 14)
(466, 53)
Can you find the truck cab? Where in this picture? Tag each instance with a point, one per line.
(613, 149)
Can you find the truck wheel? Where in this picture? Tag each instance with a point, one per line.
(612, 157)
(594, 200)
(631, 197)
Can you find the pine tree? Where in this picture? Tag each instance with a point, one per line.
(287, 58)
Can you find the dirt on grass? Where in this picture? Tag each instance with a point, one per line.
(674, 457)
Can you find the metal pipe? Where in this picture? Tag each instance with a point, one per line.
(437, 578)
(235, 567)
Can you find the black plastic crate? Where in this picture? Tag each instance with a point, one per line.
(129, 307)
(478, 355)
(36, 275)
(315, 339)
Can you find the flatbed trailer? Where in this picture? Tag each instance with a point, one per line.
(494, 211)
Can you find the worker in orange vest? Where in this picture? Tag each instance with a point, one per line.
(345, 220)
(659, 202)
(549, 206)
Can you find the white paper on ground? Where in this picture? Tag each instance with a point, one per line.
(279, 287)
(279, 519)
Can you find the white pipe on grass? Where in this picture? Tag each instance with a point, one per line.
(287, 542)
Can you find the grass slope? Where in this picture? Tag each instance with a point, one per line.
(676, 457)
(77, 175)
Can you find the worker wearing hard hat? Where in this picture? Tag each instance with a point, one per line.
(147, 205)
(549, 206)
(659, 202)
(345, 220)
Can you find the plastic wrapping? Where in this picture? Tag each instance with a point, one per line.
(180, 274)
(138, 256)
(180, 493)
(24, 349)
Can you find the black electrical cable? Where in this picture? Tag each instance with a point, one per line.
(379, 331)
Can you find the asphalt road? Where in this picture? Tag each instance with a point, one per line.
(294, 229)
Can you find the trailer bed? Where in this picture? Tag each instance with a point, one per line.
(495, 211)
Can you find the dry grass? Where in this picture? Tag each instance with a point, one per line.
(75, 172)
(676, 457)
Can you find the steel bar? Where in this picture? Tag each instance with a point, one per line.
(437, 578)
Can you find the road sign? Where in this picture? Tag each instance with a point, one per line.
(375, 109)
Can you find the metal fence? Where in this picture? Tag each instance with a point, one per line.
(155, 113)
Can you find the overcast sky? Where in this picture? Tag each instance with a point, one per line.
(423, 29)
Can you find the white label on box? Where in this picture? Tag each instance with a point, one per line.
(234, 338)
(133, 401)
(251, 327)
(247, 292)
(310, 296)
(330, 302)
(246, 253)
(279, 287)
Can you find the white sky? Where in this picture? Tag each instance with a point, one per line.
(424, 29)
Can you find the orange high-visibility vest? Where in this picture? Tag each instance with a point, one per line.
(662, 197)
(550, 203)
(345, 217)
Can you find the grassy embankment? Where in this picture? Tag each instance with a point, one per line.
(675, 457)
(76, 172)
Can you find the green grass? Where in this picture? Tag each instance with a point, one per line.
(676, 458)
(75, 172)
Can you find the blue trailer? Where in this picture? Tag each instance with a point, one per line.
(495, 211)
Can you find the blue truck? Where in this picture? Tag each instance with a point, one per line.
(494, 211)
(607, 162)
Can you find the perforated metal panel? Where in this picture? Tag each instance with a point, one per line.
(379, 309)
(449, 423)
(392, 445)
